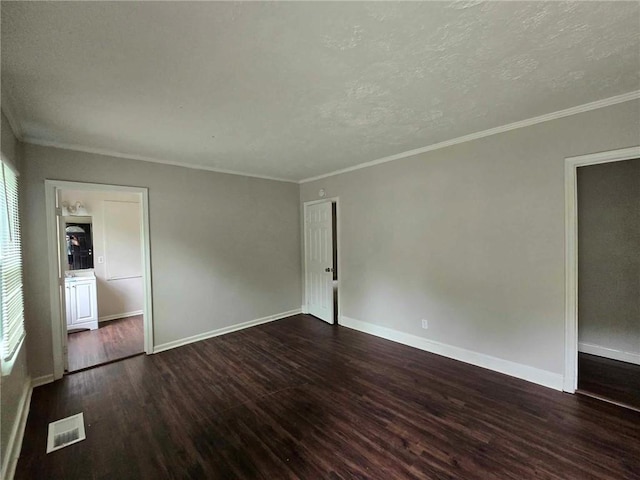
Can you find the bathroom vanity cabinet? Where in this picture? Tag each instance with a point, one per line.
(82, 302)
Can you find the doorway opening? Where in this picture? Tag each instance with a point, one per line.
(321, 260)
(609, 281)
(100, 274)
(603, 276)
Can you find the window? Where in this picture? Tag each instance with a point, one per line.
(12, 311)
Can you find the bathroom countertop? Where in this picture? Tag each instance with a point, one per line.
(79, 275)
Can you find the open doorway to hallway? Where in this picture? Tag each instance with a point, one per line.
(103, 276)
(609, 281)
(99, 259)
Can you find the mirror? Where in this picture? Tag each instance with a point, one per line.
(79, 245)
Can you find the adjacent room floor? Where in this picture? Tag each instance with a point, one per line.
(298, 398)
(610, 379)
(113, 340)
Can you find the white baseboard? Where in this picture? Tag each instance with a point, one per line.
(609, 353)
(221, 331)
(14, 446)
(518, 370)
(43, 380)
(106, 318)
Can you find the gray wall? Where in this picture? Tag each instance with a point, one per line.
(13, 383)
(470, 237)
(609, 255)
(224, 248)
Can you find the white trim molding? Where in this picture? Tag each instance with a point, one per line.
(43, 380)
(117, 316)
(14, 445)
(224, 330)
(611, 353)
(606, 102)
(626, 97)
(141, 158)
(571, 165)
(513, 369)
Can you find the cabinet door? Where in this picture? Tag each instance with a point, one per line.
(84, 304)
(69, 304)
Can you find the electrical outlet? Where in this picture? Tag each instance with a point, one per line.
(100, 259)
(425, 323)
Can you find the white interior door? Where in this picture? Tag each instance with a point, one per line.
(319, 260)
(62, 268)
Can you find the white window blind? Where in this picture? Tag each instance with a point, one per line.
(10, 265)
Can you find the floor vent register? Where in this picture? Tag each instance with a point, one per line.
(65, 432)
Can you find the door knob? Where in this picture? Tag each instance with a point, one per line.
(328, 269)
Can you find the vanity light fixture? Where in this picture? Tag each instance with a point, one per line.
(77, 209)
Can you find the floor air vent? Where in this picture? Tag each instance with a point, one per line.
(65, 432)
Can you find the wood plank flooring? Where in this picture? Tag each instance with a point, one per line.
(113, 340)
(617, 381)
(298, 398)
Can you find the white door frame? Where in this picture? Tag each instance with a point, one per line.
(571, 165)
(304, 250)
(58, 323)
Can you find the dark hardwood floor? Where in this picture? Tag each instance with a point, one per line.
(298, 398)
(611, 379)
(113, 340)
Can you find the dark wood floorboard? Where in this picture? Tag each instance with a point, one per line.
(113, 340)
(298, 398)
(617, 381)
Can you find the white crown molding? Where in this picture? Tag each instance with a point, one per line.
(626, 97)
(113, 153)
(8, 108)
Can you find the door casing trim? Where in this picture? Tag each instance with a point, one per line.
(571, 165)
(57, 327)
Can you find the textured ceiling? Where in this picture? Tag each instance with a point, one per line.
(294, 90)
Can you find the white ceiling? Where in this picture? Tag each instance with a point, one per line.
(294, 90)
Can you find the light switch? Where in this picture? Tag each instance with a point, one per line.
(100, 259)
